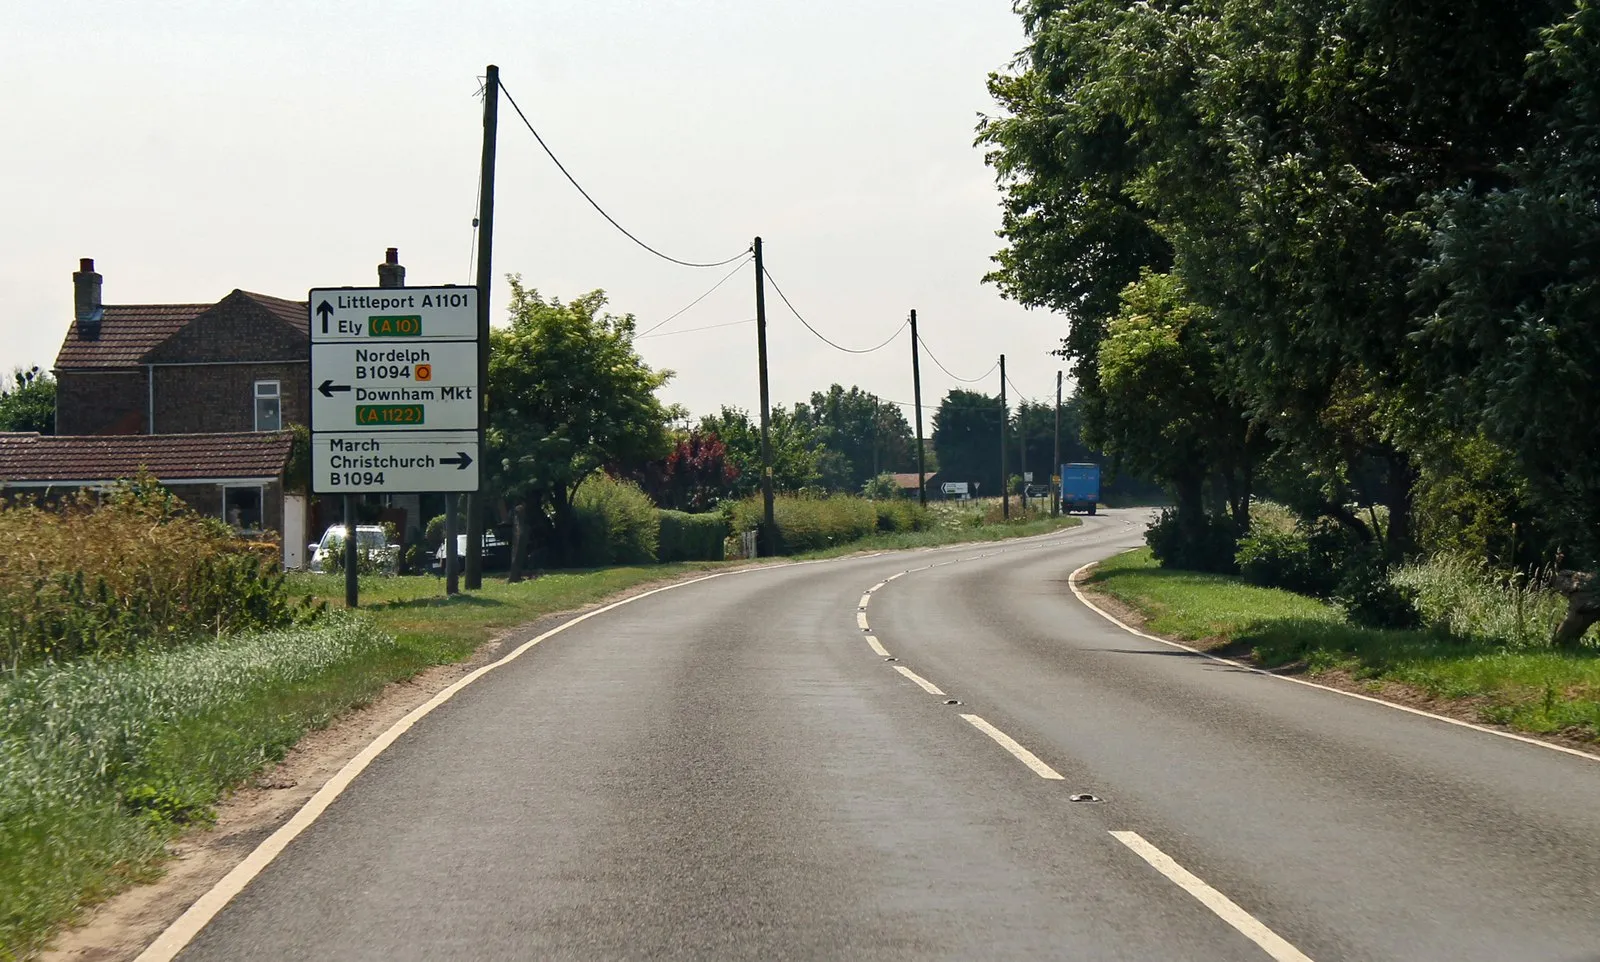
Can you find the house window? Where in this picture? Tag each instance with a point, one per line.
(241, 507)
(269, 406)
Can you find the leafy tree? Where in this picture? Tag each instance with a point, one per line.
(870, 436)
(694, 476)
(794, 453)
(567, 395)
(881, 488)
(29, 404)
(966, 436)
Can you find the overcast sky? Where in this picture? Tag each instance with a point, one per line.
(194, 147)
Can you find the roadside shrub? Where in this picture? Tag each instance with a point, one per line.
(1371, 597)
(1464, 598)
(1208, 544)
(616, 522)
(1307, 559)
(900, 515)
(880, 488)
(130, 569)
(810, 524)
(692, 537)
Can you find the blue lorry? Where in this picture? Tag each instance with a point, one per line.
(1080, 487)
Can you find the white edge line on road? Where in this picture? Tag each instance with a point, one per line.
(927, 685)
(1224, 908)
(877, 646)
(182, 931)
(1010, 744)
(1072, 582)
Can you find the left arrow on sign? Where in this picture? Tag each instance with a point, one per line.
(328, 387)
(324, 311)
(462, 460)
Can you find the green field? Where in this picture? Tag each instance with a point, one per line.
(1533, 688)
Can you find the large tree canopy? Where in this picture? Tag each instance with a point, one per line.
(567, 395)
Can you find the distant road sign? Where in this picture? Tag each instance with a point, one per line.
(394, 389)
(954, 487)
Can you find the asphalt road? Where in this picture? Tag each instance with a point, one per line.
(728, 770)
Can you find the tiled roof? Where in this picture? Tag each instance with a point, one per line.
(296, 314)
(127, 333)
(907, 480)
(173, 458)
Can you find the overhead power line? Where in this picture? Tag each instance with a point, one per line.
(592, 203)
(725, 279)
(965, 380)
(691, 330)
(820, 336)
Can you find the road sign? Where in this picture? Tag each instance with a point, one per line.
(386, 386)
(954, 487)
(350, 463)
(408, 314)
(394, 389)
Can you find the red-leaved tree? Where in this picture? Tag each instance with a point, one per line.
(694, 476)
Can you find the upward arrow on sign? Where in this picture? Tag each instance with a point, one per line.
(324, 311)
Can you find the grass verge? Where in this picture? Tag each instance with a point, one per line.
(936, 537)
(1534, 689)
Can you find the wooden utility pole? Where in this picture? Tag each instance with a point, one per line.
(916, 398)
(768, 536)
(477, 510)
(1022, 446)
(1005, 417)
(1055, 463)
(452, 558)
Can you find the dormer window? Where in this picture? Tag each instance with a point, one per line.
(269, 406)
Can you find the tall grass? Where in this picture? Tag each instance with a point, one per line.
(1466, 600)
(101, 760)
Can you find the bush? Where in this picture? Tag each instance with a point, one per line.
(692, 537)
(1464, 598)
(132, 568)
(1371, 597)
(616, 523)
(880, 488)
(1305, 559)
(810, 524)
(1208, 545)
(901, 515)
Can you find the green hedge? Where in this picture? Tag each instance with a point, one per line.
(811, 524)
(692, 537)
(617, 523)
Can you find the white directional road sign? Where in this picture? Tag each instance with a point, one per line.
(394, 389)
(399, 313)
(414, 461)
(387, 386)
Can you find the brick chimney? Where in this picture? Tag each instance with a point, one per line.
(391, 273)
(86, 299)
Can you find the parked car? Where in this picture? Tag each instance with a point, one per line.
(496, 553)
(371, 540)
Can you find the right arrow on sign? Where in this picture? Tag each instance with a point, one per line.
(327, 388)
(461, 461)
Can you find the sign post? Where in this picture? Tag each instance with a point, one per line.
(394, 391)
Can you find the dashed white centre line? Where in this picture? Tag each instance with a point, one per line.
(1010, 744)
(861, 619)
(866, 599)
(877, 646)
(927, 685)
(1224, 907)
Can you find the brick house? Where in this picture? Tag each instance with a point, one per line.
(241, 364)
(237, 477)
(232, 375)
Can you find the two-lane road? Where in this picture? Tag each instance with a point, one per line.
(767, 765)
